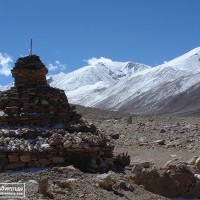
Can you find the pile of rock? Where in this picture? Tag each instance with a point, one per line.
(169, 181)
(29, 72)
(39, 128)
(32, 101)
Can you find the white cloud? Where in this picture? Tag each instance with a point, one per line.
(57, 66)
(52, 67)
(94, 61)
(5, 64)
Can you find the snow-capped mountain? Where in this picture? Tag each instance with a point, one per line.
(150, 90)
(131, 87)
(82, 85)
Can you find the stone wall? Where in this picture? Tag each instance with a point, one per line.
(26, 148)
(86, 160)
(35, 107)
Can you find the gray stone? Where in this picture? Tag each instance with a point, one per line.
(57, 159)
(25, 158)
(106, 181)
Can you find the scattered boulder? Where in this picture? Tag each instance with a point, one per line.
(106, 181)
(169, 181)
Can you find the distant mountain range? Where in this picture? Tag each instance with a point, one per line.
(172, 88)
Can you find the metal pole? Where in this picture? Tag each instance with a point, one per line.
(31, 48)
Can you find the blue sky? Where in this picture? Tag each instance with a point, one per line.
(67, 32)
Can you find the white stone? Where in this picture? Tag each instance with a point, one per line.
(67, 144)
(197, 163)
(45, 146)
(192, 160)
(2, 113)
(197, 176)
(44, 102)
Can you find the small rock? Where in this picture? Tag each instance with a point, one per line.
(142, 163)
(106, 181)
(13, 158)
(44, 102)
(192, 160)
(59, 191)
(129, 120)
(143, 141)
(122, 184)
(72, 179)
(70, 168)
(43, 186)
(161, 142)
(25, 158)
(162, 131)
(115, 136)
(136, 168)
(44, 161)
(2, 113)
(67, 144)
(45, 147)
(57, 159)
(197, 163)
(130, 187)
(197, 176)
(62, 183)
(32, 181)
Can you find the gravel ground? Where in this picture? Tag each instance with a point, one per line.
(154, 140)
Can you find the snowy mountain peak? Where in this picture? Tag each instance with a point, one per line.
(93, 79)
(188, 61)
(133, 67)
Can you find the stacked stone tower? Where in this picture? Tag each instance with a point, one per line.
(32, 101)
(29, 72)
(38, 127)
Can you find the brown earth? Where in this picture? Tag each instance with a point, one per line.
(150, 142)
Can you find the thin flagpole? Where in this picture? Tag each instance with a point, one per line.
(31, 48)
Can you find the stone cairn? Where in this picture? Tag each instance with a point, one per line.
(38, 127)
